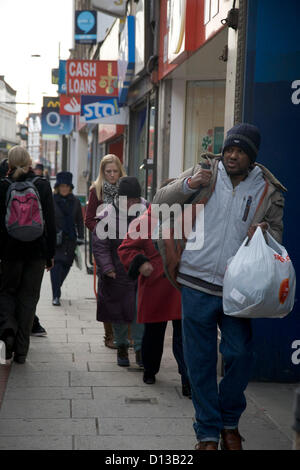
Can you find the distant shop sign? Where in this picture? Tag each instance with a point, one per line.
(62, 84)
(85, 27)
(54, 76)
(51, 102)
(112, 7)
(91, 77)
(126, 60)
(69, 105)
(54, 123)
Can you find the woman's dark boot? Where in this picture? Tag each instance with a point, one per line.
(109, 336)
(122, 356)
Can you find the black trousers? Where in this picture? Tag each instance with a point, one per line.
(153, 345)
(58, 274)
(19, 294)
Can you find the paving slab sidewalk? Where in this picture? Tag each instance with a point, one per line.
(71, 394)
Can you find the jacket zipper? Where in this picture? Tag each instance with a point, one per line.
(225, 232)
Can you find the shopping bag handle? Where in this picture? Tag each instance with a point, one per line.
(248, 239)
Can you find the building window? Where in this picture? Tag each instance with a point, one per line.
(204, 122)
(211, 9)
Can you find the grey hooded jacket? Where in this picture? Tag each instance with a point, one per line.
(224, 227)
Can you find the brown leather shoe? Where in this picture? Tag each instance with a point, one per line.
(207, 445)
(231, 439)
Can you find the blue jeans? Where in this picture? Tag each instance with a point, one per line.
(216, 408)
(121, 333)
(58, 275)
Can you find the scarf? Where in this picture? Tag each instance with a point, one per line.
(110, 191)
(66, 205)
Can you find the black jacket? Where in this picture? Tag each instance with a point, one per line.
(71, 206)
(44, 246)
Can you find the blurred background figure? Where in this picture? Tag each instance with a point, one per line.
(39, 169)
(69, 231)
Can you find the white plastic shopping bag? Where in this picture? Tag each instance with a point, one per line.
(260, 280)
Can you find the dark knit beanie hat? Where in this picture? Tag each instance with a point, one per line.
(64, 177)
(129, 186)
(246, 136)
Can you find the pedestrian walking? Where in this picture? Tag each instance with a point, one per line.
(239, 195)
(27, 247)
(103, 191)
(39, 170)
(116, 292)
(158, 301)
(37, 328)
(69, 231)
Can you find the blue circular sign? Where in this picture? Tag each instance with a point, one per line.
(86, 21)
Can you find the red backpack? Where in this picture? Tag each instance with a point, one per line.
(24, 216)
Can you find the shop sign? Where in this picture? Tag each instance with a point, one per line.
(51, 137)
(92, 77)
(139, 36)
(85, 27)
(126, 58)
(54, 76)
(62, 84)
(112, 7)
(69, 105)
(51, 102)
(99, 109)
(54, 123)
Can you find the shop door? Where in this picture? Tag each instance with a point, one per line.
(142, 146)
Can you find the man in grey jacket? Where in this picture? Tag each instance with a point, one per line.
(239, 195)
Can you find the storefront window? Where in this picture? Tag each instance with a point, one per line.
(204, 123)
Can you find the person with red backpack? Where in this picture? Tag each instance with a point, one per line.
(27, 247)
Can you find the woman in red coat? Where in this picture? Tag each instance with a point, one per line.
(158, 301)
(103, 191)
